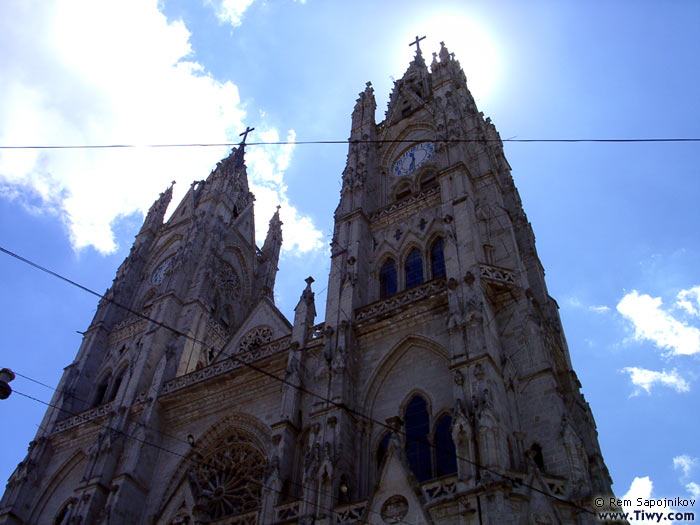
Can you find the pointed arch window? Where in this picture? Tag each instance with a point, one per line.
(101, 392)
(414, 269)
(115, 386)
(445, 452)
(417, 445)
(437, 258)
(387, 279)
(382, 448)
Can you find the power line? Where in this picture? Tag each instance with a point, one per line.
(188, 458)
(301, 389)
(349, 141)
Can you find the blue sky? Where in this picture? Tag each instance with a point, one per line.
(616, 224)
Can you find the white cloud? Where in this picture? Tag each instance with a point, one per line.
(86, 72)
(231, 11)
(651, 322)
(685, 463)
(268, 163)
(639, 488)
(642, 488)
(599, 309)
(693, 488)
(689, 300)
(645, 379)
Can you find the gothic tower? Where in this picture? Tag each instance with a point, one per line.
(439, 388)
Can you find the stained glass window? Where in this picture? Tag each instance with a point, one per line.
(231, 475)
(414, 269)
(417, 445)
(387, 279)
(437, 259)
(445, 453)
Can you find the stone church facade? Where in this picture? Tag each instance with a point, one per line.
(439, 388)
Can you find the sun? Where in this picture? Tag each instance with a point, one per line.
(470, 39)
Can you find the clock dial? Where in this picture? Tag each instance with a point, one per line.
(413, 158)
(159, 273)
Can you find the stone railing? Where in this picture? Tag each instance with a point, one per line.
(440, 489)
(288, 511)
(226, 365)
(126, 328)
(403, 203)
(83, 417)
(500, 275)
(400, 299)
(350, 513)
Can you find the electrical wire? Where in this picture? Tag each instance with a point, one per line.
(188, 458)
(349, 141)
(301, 389)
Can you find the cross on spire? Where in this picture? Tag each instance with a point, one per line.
(416, 42)
(245, 134)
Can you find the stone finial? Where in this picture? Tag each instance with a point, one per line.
(444, 53)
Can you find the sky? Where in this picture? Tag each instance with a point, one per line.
(616, 224)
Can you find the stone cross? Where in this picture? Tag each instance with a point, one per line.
(416, 42)
(245, 134)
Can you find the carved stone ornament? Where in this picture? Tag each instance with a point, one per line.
(394, 509)
(227, 280)
(257, 337)
(230, 477)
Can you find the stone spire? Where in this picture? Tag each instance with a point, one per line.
(364, 108)
(271, 252)
(273, 241)
(154, 218)
(304, 314)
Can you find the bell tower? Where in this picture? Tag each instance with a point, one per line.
(439, 326)
(184, 289)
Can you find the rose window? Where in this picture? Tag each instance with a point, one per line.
(230, 477)
(228, 281)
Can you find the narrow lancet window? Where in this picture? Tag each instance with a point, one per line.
(387, 279)
(445, 453)
(102, 391)
(382, 448)
(414, 269)
(417, 445)
(437, 259)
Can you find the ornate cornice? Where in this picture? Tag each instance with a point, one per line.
(497, 274)
(83, 417)
(222, 367)
(412, 205)
(401, 299)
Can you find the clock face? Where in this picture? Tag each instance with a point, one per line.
(413, 158)
(159, 273)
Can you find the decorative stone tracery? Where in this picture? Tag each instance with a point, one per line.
(228, 478)
(257, 337)
(227, 280)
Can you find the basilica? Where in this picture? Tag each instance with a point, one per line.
(436, 388)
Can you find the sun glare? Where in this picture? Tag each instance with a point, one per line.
(470, 40)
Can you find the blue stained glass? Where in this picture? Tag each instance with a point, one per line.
(387, 279)
(437, 259)
(414, 269)
(445, 453)
(417, 445)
